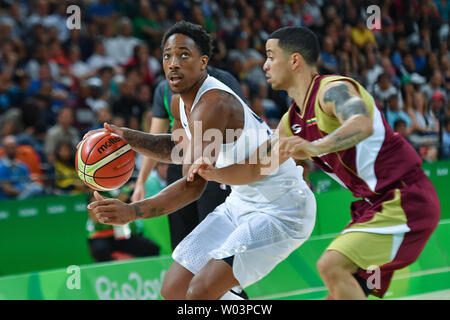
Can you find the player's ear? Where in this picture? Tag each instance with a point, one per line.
(205, 60)
(296, 61)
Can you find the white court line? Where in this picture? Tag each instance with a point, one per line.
(435, 295)
(290, 293)
(318, 289)
(324, 236)
(421, 273)
(334, 235)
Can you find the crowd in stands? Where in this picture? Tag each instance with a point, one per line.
(57, 83)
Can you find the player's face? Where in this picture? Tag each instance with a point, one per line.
(276, 65)
(182, 62)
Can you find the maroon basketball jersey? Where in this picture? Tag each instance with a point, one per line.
(366, 169)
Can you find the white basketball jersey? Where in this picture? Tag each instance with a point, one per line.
(254, 133)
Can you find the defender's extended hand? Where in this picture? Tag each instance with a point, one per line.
(297, 148)
(203, 167)
(111, 211)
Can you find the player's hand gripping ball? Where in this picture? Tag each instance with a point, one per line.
(104, 161)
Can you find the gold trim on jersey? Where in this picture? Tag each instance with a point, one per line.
(305, 101)
(329, 124)
(366, 250)
(285, 123)
(391, 214)
(383, 247)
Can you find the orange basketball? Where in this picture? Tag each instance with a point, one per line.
(104, 161)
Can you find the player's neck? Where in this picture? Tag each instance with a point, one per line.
(189, 96)
(300, 85)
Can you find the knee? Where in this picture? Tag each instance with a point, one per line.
(322, 265)
(327, 267)
(170, 291)
(197, 290)
(166, 291)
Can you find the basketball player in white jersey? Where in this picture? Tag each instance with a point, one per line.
(258, 225)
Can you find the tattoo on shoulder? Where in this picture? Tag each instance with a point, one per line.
(345, 105)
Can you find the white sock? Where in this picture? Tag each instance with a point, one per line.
(231, 296)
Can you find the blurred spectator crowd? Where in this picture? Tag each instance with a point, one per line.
(57, 83)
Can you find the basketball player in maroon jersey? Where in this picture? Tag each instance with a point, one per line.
(335, 122)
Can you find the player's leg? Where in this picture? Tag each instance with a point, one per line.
(337, 271)
(383, 251)
(259, 242)
(191, 254)
(214, 195)
(214, 280)
(176, 282)
(345, 266)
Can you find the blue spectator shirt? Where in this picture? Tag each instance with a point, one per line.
(446, 145)
(15, 172)
(392, 116)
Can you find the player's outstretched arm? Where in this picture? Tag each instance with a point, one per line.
(181, 192)
(156, 146)
(170, 199)
(262, 163)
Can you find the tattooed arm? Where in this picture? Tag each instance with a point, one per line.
(170, 199)
(338, 99)
(256, 167)
(342, 100)
(181, 192)
(156, 146)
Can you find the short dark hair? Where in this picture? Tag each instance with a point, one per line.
(298, 39)
(195, 32)
(398, 123)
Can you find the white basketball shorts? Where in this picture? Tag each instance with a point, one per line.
(258, 235)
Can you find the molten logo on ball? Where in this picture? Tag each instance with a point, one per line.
(104, 161)
(111, 141)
